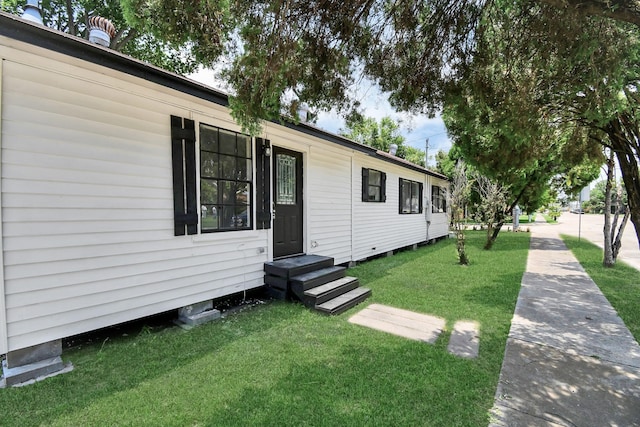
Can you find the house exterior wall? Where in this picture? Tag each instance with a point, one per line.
(87, 201)
(439, 222)
(379, 227)
(87, 205)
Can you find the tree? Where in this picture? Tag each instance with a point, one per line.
(493, 203)
(460, 188)
(317, 50)
(72, 17)
(542, 90)
(381, 135)
(612, 234)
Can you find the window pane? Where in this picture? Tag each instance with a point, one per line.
(209, 217)
(415, 196)
(227, 142)
(227, 167)
(241, 218)
(209, 164)
(226, 220)
(208, 138)
(209, 191)
(374, 177)
(286, 185)
(374, 194)
(243, 169)
(244, 146)
(242, 194)
(406, 196)
(228, 190)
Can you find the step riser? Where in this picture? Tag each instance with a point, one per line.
(276, 282)
(311, 301)
(346, 306)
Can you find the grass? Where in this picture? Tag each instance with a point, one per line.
(549, 218)
(281, 364)
(620, 284)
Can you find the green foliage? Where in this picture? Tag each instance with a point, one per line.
(381, 135)
(596, 201)
(446, 162)
(519, 114)
(71, 16)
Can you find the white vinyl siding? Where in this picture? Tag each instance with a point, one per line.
(3, 317)
(329, 174)
(88, 209)
(379, 227)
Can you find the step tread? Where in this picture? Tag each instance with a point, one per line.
(335, 304)
(289, 267)
(327, 287)
(312, 275)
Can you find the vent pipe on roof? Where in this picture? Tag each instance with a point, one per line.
(392, 149)
(101, 30)
(32, 12)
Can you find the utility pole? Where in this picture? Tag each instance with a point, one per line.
(426, 153)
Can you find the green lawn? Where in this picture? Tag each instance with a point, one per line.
(281, 364)
(620, 284)
(549, 218)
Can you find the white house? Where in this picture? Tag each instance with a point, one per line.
(128, 191)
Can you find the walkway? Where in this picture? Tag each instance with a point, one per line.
(569, 360)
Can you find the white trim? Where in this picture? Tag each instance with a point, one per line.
(4, 345)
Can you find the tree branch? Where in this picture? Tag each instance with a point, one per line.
(620, 10)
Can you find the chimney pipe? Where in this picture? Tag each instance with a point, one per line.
(32, 12)
(101, 30)
(392, 149)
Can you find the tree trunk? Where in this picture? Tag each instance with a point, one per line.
(624, 137)
(609, 260)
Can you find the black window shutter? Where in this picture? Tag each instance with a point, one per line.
(365, 184)
(400, 196)
(383, 187)
(420, 188)
(263, 185)
(183, 158)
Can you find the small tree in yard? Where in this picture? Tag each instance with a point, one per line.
(460, 190)
(490, 210)
(612, 237)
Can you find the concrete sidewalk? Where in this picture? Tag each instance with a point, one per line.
(569, 360)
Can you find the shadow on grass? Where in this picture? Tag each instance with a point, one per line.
(404, 383)
(120, 364)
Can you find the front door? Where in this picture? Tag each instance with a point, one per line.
(287, 200)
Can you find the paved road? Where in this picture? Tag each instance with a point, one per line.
(591, 229)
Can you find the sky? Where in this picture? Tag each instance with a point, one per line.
(374, 103)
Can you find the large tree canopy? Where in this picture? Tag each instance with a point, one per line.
(544, 92)
(72, 17)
